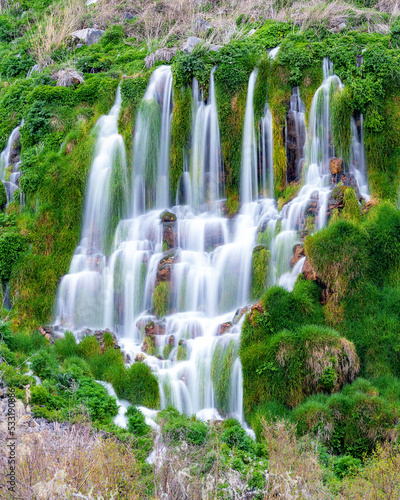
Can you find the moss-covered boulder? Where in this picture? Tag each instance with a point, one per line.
(291, 365)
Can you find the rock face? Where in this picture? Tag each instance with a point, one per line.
(335, 166)
(298, 253)
(165, 267)
(164, 54)
(168, 220)
(224, 327)
(191, 43)
(88, 36)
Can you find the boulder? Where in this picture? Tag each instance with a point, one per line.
(191, 43)
(201, 25)
(127, 16)
(88, 36)
(165, 266)
(170, 237)
(155, 328)
(68, 77)
(214, 48)
(164, 54)
(298, 253)
(335, 166)
(224, 327)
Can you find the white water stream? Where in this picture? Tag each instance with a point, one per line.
(193, 349)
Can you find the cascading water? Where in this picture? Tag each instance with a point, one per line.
(309, 208)
(193, 262)
(249, 177)
(7, 159)
(151, 144)
(266, 150)
(296, 136)
(79, 301)
(206, 163)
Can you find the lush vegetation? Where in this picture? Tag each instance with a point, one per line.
(323, 358)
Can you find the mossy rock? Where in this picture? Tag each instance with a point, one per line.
(168, 216)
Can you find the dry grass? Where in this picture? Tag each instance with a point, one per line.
(52, 31)
(294, 468)
(172, 21)
(72, 462)
(159, 23)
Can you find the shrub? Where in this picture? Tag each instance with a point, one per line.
(78, 366)
(236, 437)
(183, 428)
(142, 386)
(94, 397)
(44, 364)
(66, 347)
(39, 395)
(137, 422)
(351, 422)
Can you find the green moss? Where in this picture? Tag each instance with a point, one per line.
(351, 210)
(221, 370)
(339, 255)
(341, 111)
(351, 422)
(259, 271)
(161, 299)
(180, 135)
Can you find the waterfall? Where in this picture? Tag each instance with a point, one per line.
(7, 160)
(173, 281)
(266, 151)
(151, 143)
(79, 301)
(206, 164)
(296, 136)
(249, 178)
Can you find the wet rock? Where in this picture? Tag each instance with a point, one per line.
(298, 253)
(89, 36)
(312, 207)
(155, 328)
(224, 327)
(370, 204)
(214, 236)
(171, 340)
(165, 54)
(335, 166)
(170, 237)
(191, 43)
(239, 314)
(165, 267)
(139, 357)
(256, 307)
(99, 334)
